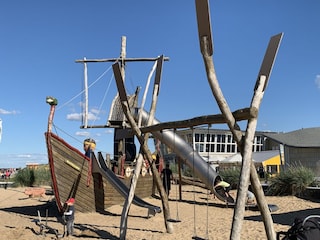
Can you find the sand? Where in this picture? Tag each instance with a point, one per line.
(197, 216)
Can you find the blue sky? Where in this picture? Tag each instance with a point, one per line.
(40, 41)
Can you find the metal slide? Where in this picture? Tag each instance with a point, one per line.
(187, 154)
(101, 167)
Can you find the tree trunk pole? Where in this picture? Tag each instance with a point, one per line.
(156, 175)
(248, 170)
(243, 146)
(121, 144)
(143, 142)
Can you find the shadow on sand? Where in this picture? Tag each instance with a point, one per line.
(48, 209)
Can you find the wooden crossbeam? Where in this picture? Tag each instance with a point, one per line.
(239, 115)
(121, 60)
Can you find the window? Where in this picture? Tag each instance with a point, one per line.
(201, 147)
(257, 144)
(201, 138)
(231, 145)
(207, 147)
(221, 139)
(196, 137)
(208, 137)
(212, 147)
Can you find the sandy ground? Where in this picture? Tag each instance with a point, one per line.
(199, 217)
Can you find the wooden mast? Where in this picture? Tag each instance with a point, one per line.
(121, 144)
(86, 97)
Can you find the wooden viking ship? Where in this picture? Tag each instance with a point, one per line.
(94, 187)
(73, 176)
(70, 174)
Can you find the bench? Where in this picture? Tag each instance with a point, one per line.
(5, 184)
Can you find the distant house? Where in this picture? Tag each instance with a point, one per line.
(215, 145)
(297, 147)
(268, 161)
(32, 165)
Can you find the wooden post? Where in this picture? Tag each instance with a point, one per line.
(180, 179)
(108, 160)
(143, 142)
(121, 144)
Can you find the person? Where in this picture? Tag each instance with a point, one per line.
(69, 215)
(261, 172)
(167, 176)
(89, 145)
(250, 198)
(225, 185)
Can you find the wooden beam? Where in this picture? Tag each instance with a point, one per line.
(119, 81)
(269, 57)
(121, 59)
(239, 115)
(204, 25)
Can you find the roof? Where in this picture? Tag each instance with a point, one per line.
(305, 137)
(258, 157)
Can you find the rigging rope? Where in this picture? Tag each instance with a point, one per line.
(175, 160)
(75, 139)
(104, 97)
(208, 191)
(104, 73)
(193, 188)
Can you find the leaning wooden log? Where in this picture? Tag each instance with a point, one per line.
(239, 115)
(145, 149)
(247, 173)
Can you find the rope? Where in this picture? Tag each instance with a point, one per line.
(208, 191)
(104, 97)
(64, 132)
(57, 128)
(193, 188)
(100, 107)
(175, 160)
(104, 73)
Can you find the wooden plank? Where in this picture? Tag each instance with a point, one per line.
(204, 25)
(159, 70)
(239, 115)
(119, 81)
(268, 60)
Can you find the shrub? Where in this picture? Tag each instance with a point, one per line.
(31, 177)
(292, 181)
(24, 177)
(187, 171)
(231, 176)
(43, 176)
